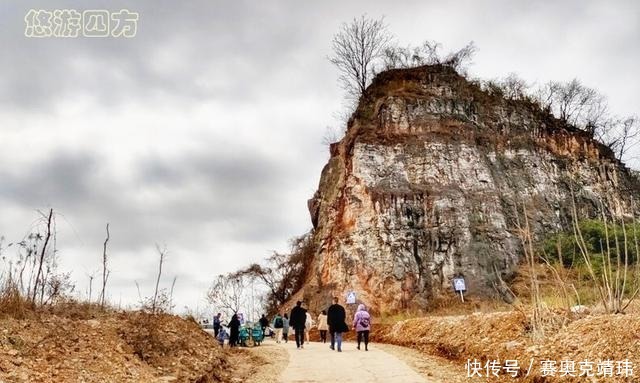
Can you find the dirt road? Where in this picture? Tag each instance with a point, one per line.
(317, 363)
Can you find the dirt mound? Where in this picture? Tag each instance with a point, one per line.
(118, 347)
(508, 336)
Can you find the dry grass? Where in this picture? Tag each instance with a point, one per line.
(508, 335)
(12, 303)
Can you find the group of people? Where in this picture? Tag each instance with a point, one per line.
(332, 320)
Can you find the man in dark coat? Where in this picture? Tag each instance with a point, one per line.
(234, 329)
(336, 320)
(264, 323)
(297, 319)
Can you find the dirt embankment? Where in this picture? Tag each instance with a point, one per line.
(572, 346)
(116, 347)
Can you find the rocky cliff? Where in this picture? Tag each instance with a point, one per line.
(430, 181)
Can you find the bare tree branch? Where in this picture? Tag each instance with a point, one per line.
(356, 47)
(162, 252)
(105, 273)
(42, 255)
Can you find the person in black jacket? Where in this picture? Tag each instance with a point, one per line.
(234, 331)
(217, 324)
(336, 320)
(297, 319)
(264, 323)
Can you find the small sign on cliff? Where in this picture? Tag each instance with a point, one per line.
(460, 286)
(351, 297)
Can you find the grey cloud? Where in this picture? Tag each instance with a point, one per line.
(65, 179)
(241, 195)
(212, 54)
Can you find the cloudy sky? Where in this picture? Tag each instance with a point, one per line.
(204, 131)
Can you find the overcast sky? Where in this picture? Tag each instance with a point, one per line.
(204, 132)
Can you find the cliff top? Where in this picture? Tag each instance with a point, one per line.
(437, 101)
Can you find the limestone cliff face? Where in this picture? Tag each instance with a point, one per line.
(426, 183)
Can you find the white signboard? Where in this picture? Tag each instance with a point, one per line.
(459, 285)
(351, 297)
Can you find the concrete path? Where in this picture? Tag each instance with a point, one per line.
(317, 363)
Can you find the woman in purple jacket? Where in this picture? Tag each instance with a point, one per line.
(362, 324)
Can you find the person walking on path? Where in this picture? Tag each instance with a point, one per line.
(278, 325)
(336, 320)
(234, 331)
(362, 325)
(322, 326)
(264, 323)
(308, 323)
(222, 335)
(285, 328)
(216, 324)
(297, 321)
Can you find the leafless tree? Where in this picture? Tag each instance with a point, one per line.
(514, 87)
(356, 47)
(90, 290)
(283, 274)
(105, 272)
(623, 136)
(228, 292)
(331, 135)
(173, 285)
(576, 104)
(399, 57)
(43, 252)
(162, 251)
(460, 59)
(587, 109)
(427, 54)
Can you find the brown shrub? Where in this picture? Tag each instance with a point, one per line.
(12, 303)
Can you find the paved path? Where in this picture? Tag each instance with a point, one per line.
(317, 363)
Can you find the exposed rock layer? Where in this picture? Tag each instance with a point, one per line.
(431, 181)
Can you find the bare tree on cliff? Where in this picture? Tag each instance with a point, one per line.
(356, 47)
(587, 109)
(576, 104)
(428, 53)
(625, 135)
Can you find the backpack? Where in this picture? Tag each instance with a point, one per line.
(364, 322)
(278, 323)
